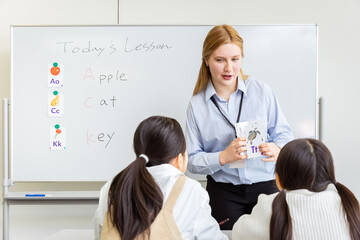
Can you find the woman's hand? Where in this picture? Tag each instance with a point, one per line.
(232, 152)
(271, 150)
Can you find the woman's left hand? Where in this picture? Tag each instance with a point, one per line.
(271, 150)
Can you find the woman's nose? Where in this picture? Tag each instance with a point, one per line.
(227, 66)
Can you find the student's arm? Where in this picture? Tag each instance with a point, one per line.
(101, 210)
(257, 224)
(206, 227)
(97, 225)
(192, 213)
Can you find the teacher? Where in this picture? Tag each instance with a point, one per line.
(224, 95)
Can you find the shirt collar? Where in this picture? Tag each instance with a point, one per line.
(164, 170)
(210, 90)
(330, 188)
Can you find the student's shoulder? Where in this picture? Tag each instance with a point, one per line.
(192, 183)
(266, 199)
(105, 188)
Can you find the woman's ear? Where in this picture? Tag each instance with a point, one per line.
(278, 182)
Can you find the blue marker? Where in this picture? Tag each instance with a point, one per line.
(35, 195)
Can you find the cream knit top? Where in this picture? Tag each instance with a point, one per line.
(314, 216)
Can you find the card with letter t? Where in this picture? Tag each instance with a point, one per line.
(57, 137)
(255, 134)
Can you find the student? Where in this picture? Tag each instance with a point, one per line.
(223, 96)
(311, 204)
(152, 197)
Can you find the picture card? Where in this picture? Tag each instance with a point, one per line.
(57, 137)
(255, 134)
(55, 75)
(55, 104)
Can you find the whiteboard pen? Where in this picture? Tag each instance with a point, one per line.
(34, 195)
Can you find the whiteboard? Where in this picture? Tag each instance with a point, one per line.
(113, 77)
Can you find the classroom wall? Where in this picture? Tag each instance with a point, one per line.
(338, 83)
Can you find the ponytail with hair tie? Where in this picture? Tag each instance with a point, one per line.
(144, 157)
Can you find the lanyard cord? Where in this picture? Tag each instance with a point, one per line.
(239, 113)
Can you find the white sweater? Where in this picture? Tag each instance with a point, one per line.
(314, 216)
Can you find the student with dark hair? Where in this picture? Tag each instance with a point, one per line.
(151, 198)
(311, 203)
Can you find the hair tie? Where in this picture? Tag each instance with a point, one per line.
(145, 157)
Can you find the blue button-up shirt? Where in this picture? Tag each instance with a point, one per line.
(208, 133)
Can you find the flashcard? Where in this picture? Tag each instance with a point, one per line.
(255, 133)
(55, 75)
(55, 104)
(57, 137)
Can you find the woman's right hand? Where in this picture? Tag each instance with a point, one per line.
(233, 151)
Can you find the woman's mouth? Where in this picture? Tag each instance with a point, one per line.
(227, 77)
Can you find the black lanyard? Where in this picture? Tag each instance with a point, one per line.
(239, 113)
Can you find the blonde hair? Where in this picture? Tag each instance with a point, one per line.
(217, 36)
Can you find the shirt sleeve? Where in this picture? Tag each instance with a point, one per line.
(257, 224)
(278, 128)
(200, 162)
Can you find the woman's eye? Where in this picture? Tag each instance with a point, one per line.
(219, 60)
(235, 59)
